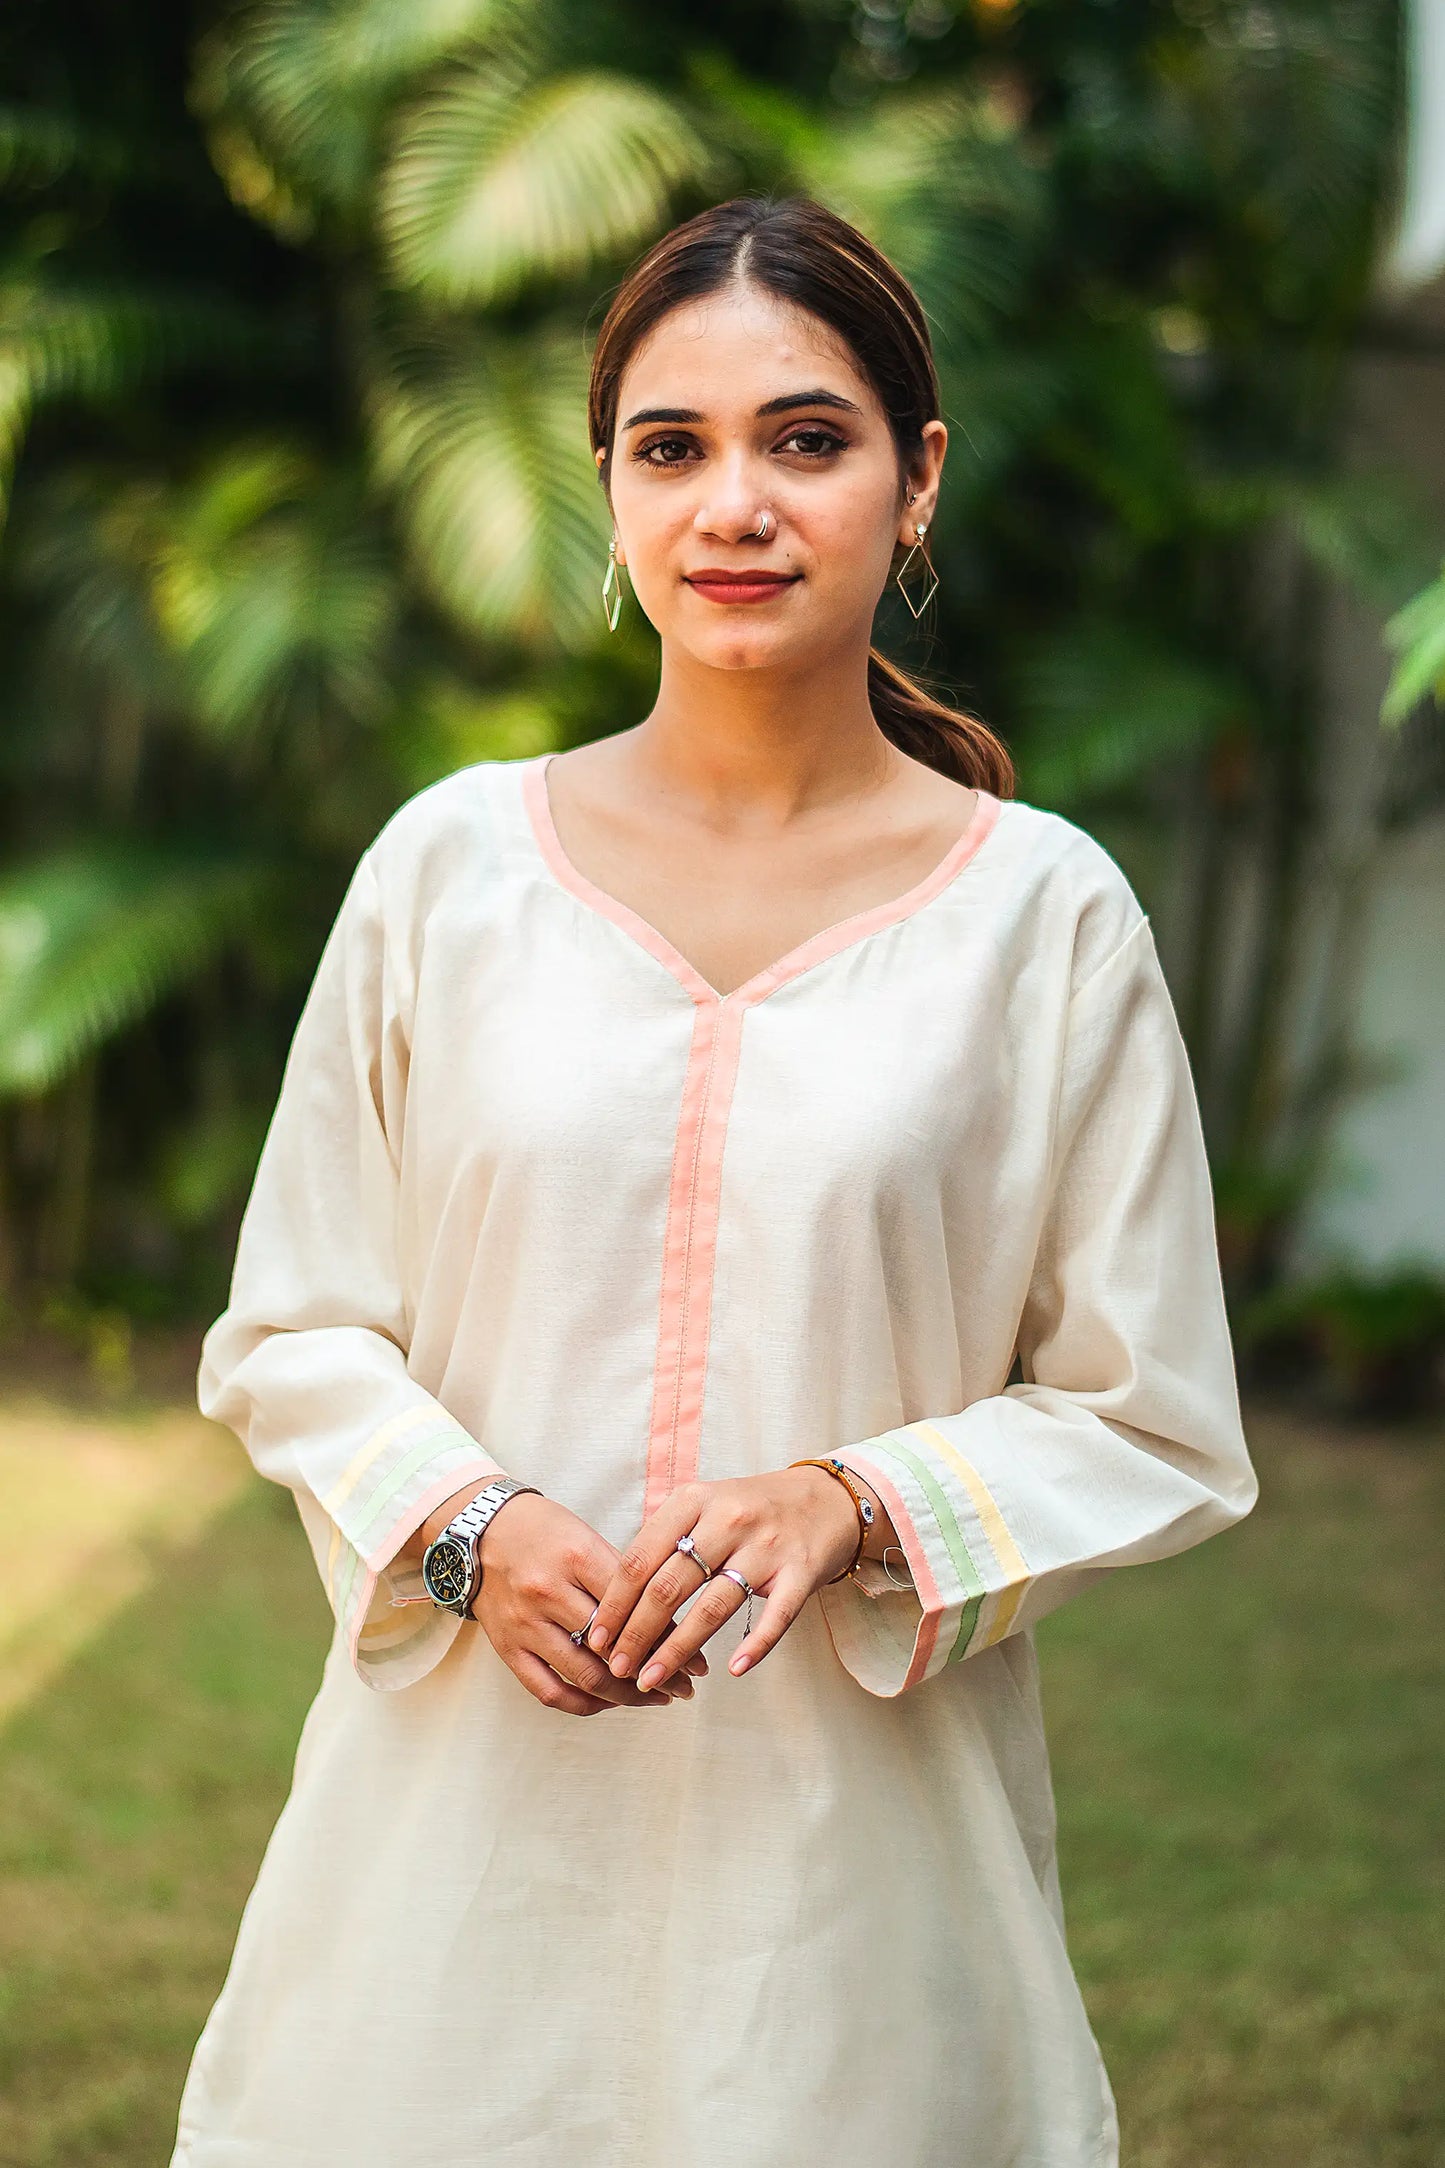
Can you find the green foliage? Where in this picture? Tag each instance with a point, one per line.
(276, 588)
(1417, 634)
(503, 175)
(1379, 1338)
(292, 399)
(483, 439)
(62, 344)
(1105, 701)
(90, 939)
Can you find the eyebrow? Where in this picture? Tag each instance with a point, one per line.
(785, 404)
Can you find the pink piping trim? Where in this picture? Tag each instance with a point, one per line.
(913, 1551)
(815, 950)
(383, 1551)
(695, 1189)
(539, 808)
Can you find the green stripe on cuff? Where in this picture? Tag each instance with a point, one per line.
(435, 1446)
(955, 1542)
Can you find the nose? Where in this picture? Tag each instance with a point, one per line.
(735, 504)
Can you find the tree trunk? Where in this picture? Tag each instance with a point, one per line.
(1290, 818)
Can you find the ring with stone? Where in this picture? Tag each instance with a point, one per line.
(690, 1550)
(582, 1631)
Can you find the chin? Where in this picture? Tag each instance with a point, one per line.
(745, 651)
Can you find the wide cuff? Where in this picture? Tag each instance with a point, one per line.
(968, 1573)
(392, 1631)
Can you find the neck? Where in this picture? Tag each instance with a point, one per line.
(743, 742)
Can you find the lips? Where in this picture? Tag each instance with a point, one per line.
(716, 585)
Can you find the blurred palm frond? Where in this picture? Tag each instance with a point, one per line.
(1104, 706)
(296, 94)
(483, 438)
(502, 175)
(940, 181)
(277, 588)
(97, 344)
(1417, 635)
(93, 936)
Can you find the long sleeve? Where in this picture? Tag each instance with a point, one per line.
(1123, 1442)
(308, 1363)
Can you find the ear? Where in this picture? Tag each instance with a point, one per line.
(924, 476)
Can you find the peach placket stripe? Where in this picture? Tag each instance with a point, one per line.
(695, 1187)
(690, 1250)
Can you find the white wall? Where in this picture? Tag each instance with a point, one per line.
(1383, 1201)
(1383, 1197)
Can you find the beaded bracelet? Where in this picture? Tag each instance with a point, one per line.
(861, 1506)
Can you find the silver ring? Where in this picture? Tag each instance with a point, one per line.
(583, 1631)
(733, 1575)
(761, 530)
(690, 1550)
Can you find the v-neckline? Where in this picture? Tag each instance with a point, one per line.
(828, 941)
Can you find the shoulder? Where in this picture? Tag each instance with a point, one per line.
(1073, 890)
(457, 824)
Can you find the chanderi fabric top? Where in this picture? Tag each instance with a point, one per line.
(536, 1197)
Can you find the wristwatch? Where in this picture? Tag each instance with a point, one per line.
(450, 1567)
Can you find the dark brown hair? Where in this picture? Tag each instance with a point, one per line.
(805, 254)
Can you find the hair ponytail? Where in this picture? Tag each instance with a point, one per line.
(805, 254)
(958, 745)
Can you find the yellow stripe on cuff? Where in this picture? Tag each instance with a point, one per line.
(1010, 1558)
(426, 1411)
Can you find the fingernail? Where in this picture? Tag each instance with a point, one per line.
(649, 1675)
(597, 1639)
(738, 1664)
(619, 1666)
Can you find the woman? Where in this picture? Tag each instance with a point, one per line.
(693, 1128)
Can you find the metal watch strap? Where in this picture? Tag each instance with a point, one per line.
(469, 1526)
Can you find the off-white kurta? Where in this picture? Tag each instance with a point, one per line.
(535, 1197)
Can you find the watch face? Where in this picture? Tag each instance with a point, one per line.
(446, 1570)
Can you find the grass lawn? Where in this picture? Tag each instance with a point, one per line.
(1247, 1752)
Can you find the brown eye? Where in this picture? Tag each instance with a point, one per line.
(665, 445)
(815, 443)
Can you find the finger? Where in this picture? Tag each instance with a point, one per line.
(542, 1682)
(785, 1600)
(717, 1603)
(676, 1582)
(654, 1542)
(591, 1561)
(590, 1675)
(594, 1671)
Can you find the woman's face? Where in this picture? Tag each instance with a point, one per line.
(738, 404)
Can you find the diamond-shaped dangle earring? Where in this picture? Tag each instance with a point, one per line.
(612, 586)
(931, 588)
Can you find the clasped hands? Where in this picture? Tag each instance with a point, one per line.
(544, 1570)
